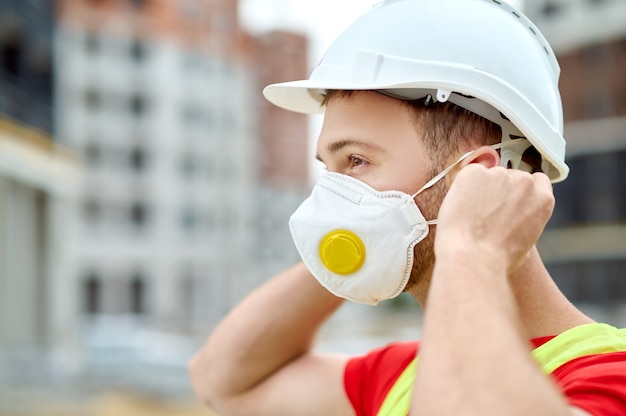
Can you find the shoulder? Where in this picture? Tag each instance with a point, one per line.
(397, 353)
(368, 378)
(595, 379)
(595, 383)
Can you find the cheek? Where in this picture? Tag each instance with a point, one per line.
(406, 180)
(407, 177)
(385, 179)
(411, 170)
(430, 200)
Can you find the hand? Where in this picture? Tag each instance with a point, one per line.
(498, 211)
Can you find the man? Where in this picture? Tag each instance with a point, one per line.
(442, 132)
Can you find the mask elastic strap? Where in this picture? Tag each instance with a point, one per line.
(444, 172)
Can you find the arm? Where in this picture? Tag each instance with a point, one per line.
(475, 352)
(258, 360)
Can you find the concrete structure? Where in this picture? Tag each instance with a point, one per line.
(168, 151)
(37, 178)
(113, 277)
(26, 62)
(187, 190)
(283, 152)
(585, 245)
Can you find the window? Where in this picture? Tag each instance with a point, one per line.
(138, 51)
(92, 43)
(598, 103)
(600, 196)
(92, 210)
(594, 192)
(92, 292)
(137, 294)
(188, 288)
(40, 65)
(138, 105)
(93, 153)
(595, 58)
(10, 56)
(138, 214)
(93, 100)
(189, 218)
(551, 9)
(620, 104)
(138, 159)
(598, 281)
(188, 164)
(138, 4)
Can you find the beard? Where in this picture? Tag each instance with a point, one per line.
(424, 251)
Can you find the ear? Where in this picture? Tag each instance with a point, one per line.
(485, 155)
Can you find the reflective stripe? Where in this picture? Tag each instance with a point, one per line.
(581, 341)
(589, 339)
(398, 400)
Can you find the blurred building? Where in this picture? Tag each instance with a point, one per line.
(37, 176)
(585, 245)
(283, 153)
(190, 176)
(26, 82)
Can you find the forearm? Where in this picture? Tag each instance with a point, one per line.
(475, 357)
(274, 325)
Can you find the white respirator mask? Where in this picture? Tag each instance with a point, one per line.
(357, 241)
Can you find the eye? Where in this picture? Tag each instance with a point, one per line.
(356, 162)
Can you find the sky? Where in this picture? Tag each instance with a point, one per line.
(322, 20)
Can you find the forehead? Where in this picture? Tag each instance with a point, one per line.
(368, 118)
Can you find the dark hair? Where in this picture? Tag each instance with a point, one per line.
(444, 127)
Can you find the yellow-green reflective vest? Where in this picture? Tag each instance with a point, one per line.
(577, 342)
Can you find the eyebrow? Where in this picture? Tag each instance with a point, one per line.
(335, 146)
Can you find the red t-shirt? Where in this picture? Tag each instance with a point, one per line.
(594, 383)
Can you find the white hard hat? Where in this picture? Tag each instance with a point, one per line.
(482, 55)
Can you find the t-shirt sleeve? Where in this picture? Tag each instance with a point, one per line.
(595, 383)
(368, 378)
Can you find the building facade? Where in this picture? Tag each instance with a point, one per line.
(37, 177)
(283, 153)
(585, 244)
(187, 188)
(26, 81)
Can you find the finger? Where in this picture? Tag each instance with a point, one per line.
(542, 181)
(543, 185)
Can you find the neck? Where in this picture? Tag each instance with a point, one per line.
(542, 308)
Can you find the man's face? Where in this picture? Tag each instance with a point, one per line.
(373, 138)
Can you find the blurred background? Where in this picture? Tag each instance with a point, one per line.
(145, 186)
